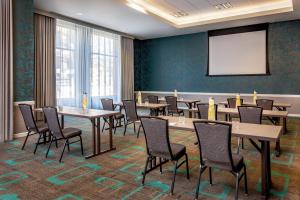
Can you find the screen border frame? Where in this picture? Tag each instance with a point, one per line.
(241, 29)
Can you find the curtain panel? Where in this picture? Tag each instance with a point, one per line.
(44, 40)
(127, 65)
(6, 71)
(87, 61)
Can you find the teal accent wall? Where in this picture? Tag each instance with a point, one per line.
(23, 50)
(180, 62)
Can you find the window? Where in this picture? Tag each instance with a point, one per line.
(87, 60)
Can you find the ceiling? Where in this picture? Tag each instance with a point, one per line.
(116, 15)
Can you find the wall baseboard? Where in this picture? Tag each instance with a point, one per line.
(20, 135)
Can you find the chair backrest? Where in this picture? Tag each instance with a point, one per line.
(107, 104)
(130, 110)
(172, 101)
(156, 133)
(27, 114)
(232, 102)
(153, 99)
(214, 139)
(266, 104)
(203, 110)
(250, 114)
(53, 122)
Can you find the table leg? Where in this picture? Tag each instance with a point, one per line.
(265, 169)
(277, 148)
(94, 139)
(98, 138)
(284, 125)
(190, 106)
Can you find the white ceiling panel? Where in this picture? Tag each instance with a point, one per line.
(115, 14)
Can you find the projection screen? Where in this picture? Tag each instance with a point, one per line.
(243, 53)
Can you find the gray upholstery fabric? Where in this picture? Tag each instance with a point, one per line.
(42, 127)
(238, 162)
(203, 110)
(71, 132)
(232, 102)
(52, 121)
(250, 114)
(153, 99)
(26, 111)
(266, 104)
(172, 101)
(107, 104)
(157, 139)
(215, 145)
(130, 110)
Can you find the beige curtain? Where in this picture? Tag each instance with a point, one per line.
(44, 39)
(127, 62)
(6, 71)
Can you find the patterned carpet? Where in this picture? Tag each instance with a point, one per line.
(117, 175)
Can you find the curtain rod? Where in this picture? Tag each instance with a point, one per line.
(70, 19)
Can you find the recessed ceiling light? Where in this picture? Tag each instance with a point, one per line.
(79, 14)
(136, 7)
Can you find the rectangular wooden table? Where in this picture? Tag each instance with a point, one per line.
(261, 132)
(152, 106)
(188, 102)
(94, 116)
(280, 106)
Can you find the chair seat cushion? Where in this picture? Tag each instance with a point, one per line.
(238, 163)
(42, 127)
(71, 132)
(178, 150)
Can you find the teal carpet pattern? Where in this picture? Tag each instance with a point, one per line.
(117, 174)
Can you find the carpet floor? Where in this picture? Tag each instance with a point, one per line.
(117, 174)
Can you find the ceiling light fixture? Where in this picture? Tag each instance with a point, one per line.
(223, 6)
(79, 14)
(136, 7)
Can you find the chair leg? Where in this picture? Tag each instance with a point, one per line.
(81, 145)
(25, 140)
(138, 133)
(237, 183)
(210, 176)
(125, 128)
(49, 146)
(187, 166)
(37, 144)
(56, 144)
(174, 175)
(145, 169)
(245, 180)
(62, 153)
(68, 147)
(198, 184)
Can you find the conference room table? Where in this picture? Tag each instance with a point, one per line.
(266, 113)
(151, 106)
(280, 106)
(261, 132)
(94, 116)
(190, 103)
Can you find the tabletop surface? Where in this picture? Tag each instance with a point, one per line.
(147, 105)
(80, 112)
(276, 104)
(181, 100)
(269, 113)
(245, 130)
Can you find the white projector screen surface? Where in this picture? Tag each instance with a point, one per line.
(238, 54)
